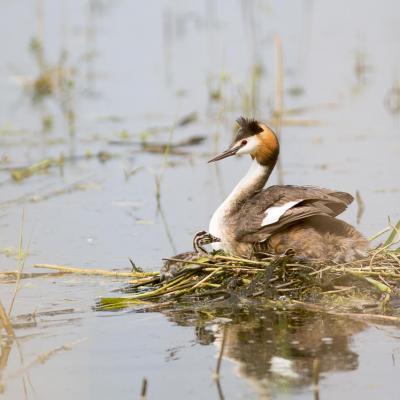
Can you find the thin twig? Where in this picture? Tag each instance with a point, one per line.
(143, 392)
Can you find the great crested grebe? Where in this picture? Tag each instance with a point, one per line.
(272, 220)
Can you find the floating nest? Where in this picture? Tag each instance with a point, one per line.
(368, 285)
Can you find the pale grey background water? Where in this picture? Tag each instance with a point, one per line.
(152, 63)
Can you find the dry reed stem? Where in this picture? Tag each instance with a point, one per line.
(278, 101)
(6, 322)
(294, 122)
(216, 271)
(21, 263)
(4, 355)
(219, 271)
(238, 259)
(102, 272)
(15, 274)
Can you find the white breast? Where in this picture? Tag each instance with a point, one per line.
(273, 214)
(216, 226)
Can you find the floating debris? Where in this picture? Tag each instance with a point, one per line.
(154, 147)
(20, 173)
(187, 119)
(38, 196)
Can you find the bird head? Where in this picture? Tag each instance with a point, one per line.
(254, 138)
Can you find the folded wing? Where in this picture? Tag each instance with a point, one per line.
(277, 207)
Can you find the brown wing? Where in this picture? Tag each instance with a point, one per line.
(295, 203)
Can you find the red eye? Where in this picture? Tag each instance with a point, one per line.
(244, 142)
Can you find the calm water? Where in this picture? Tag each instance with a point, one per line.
(135, 70)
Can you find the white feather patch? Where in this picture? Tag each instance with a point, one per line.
(273, 214)
(252, 144)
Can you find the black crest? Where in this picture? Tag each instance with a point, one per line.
(247, 127)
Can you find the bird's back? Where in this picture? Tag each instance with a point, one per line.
(277, 207)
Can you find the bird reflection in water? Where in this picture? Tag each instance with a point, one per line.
(276, 349)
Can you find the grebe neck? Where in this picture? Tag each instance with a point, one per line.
(251, 183)
(254, 180)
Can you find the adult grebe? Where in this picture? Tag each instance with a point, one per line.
(278, 218)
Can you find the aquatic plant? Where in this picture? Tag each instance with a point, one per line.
(370, 283)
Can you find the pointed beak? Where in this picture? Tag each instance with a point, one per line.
(227, 153)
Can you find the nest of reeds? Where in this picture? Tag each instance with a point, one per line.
(371, 283)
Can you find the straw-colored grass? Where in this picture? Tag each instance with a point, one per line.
(375, 277)
(102, 272)
(371, 283)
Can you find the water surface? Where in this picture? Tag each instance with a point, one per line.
(133, 71)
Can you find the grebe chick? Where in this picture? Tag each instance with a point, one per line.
(302, 218)
(171, 268)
